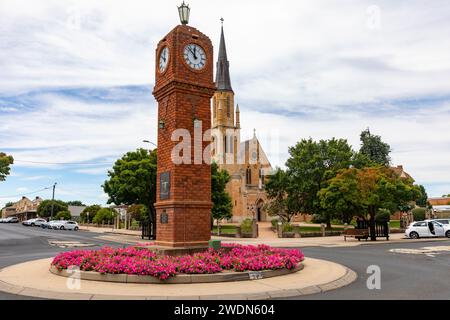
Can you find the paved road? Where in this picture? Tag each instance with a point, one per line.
(403, 276)
(19, 244)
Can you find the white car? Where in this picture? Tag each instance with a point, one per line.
(34, 222)
(427, 229)
(48, 225)
(65, 225)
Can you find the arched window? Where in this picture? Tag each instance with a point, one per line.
(225, 145)
(228, 107)
(248, 177)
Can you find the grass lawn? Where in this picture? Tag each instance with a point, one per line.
(317, 229)
(395, 224)
(226, 229)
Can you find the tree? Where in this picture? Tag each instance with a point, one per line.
(45, 208)
(374, 148)
(8, 204)
(422, 201)
(369, 190)
(64, 215)
(105, 215)
(419, 214)
(5, 163)
(132, 180)
(88, 214)
(222, 205)
(310, 166)
(138, 212)
(277, 192)
(76, 203)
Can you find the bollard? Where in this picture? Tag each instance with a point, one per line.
(280, 229)
(322, 228)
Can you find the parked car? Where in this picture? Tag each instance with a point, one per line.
(442, 221)
(65, 225)
(49, 224)
(29, 222)
(2, 220)
(427, 229)
(11, 220)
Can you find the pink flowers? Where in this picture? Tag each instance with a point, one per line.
(142, 261)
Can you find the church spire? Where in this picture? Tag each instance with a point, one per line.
(223, 82)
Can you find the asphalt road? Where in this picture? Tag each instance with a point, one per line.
(403, 276)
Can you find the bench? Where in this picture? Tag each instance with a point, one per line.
(357, 234)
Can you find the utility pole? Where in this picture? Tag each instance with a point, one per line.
(53, 201)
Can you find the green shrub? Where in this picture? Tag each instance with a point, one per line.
(383, 215)
(274, 223)
(247, 226)
(63, 215)
(287, 227)
(105, 215)
(419, 214)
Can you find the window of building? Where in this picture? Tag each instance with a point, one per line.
(248, 177)
(228, 107)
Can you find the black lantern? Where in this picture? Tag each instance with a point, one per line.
(161, 124)
(184, 12)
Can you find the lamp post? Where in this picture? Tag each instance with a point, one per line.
(53, 201)
(147, 141)
(184, 12)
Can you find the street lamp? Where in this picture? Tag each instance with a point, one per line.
(184, 12)
(147, 141)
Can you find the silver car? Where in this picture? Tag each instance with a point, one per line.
(65, 225)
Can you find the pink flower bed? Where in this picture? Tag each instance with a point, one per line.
(142, 261)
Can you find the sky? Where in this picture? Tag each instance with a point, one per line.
(76, 80)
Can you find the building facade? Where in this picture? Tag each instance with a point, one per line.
(245, 161)
(23, 209)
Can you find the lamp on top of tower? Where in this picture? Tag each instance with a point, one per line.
(184, 12)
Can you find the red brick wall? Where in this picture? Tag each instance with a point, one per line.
(184, 94)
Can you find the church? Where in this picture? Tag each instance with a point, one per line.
(245, 161)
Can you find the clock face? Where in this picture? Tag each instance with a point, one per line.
(195, 56)
(163, 59)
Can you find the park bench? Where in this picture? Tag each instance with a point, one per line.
(357, 234)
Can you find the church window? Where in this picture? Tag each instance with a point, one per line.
(228, 107)
(249, 176)
(225, 146)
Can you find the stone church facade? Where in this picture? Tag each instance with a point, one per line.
(245, 161)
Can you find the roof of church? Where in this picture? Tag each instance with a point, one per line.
(223, 81)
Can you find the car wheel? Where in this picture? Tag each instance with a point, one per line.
(414, 235)
(62, 228)
(32, 224)
(76, 229)
(447, 234)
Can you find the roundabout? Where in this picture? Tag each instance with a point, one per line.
(35, 279)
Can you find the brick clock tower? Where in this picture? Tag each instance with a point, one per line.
(183, 89)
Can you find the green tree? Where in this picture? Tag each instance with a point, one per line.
(310, 165)
(132, 180)
(370, 189)
(45, 208)
(222, 205)
(280, 204)
(64, 215)
(374, 148)
(90, 212)
(138, 212)
(5, 165)
(77, 203)
(419, 214)
(422, 201)
(105, 215)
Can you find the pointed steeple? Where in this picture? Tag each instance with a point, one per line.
(223, 82)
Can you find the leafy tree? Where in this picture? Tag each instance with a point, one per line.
(64, 215)
(419, 214)
(370, 189)
(310, 166)
(138, 212)
(374, 148)
(92, 210)
(280, 204)
(222, 206)
(383, 215)
(105, 215)
(132, 180)
(446, 196)
(76, 203)
(5, 163)
(45, 208)
(422, 201)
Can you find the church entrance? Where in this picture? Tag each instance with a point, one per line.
(259, 211)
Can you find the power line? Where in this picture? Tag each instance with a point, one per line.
(25, 194)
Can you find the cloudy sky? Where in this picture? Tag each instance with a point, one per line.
(76, 79)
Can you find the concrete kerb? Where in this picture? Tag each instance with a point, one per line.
(295, 284)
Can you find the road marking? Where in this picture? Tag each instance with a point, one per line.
(69, 244)
(429, 251)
